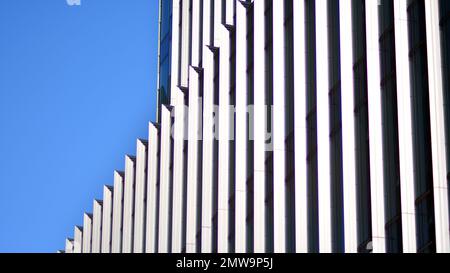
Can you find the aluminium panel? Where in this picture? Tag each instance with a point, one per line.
(107, 216)
(323, 127)
(375, 127)
(437, 125)
(128, 204)
(97, 226)
(301, 194)
(152, 190)
(405, 130)
(348, 127)
(140, 196)
(87, 233)
(117, 222)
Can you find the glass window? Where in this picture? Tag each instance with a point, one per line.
(250, 144)
(361, 127)
(393, 221)
(215, 162)
(289, 113)
(421, 127)
(444, 8)
(268, 47)
(311, 119)
(232, 145)
(165, 45)
(336, 129)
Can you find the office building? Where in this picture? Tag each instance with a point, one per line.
(290, 126)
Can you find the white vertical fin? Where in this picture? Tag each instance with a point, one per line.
(140, 197)
(152, 181)
(301, 204)
(279, 130)
(164, 202)
(405, 134)
(87, 233)
(97, 226)
(323, 127)
(348, 127)
(117, 213)
(193, 160)
(375, 127)
(128, 205)
(107, 217)
(78, 240)
(259, 129)
(437, 125)
(241, 129)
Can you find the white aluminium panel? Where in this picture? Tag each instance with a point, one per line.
(375, 127)
(224, 138)
(208, 144)
(178, 171)
(128, 205)
(208, 119)
(217, 24)
(176, 43)
(185, 41)
(107, 216)
(323, 127)
(301, 209)
(279, 130)
(348, 127)
(193, 175)
(97, 226)
(152, 178)
(117, 213)
(87, 233)
(241, 129)
(230, 12)
(405, 134)
(259, 123)
(164, 202)
(206, 28)
(437, 125)
(69, 246)
(140, 197)
(196, 33)
(78, 239)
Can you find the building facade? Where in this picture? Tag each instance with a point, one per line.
(289, 126)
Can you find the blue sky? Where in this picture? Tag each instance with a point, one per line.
(77, 88)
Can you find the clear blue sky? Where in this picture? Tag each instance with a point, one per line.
(77, 88)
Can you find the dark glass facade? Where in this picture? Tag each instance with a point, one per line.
(165, 51)
(337, 203)
(391, 168)
(250, 143)
(361, 126)
(424, 198)
(268, 51)
(444, 7)
(311, 137)
(289, 114)
(215, 208)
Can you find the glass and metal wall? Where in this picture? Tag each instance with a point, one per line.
(290, 126)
